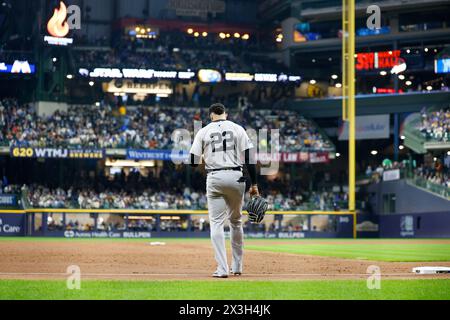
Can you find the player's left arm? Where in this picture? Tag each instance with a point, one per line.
(247, 147)
(197, 150)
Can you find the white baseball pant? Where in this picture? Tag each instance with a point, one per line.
(225, 198)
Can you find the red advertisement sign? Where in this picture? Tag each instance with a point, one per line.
(377, 60)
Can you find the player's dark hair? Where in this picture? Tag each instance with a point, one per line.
(217, 108)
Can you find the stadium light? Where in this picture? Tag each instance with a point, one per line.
(222, 35)
(97, 104)
(196, 34)
(401, 77)
(338, 85)
(69, 76)
(312, 81)
(408, 51)
(408, 83)
(338, 154)
(383, 73)
(246, 36)
(205, 34)
(429, 88)
(190, 31)
(402, 137)
(426, 49)
(448, 153)
(401, 147)
(334, 76)
(374, 152)
(55, 59)
(237, 35)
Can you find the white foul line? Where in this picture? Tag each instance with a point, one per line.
(202, 274)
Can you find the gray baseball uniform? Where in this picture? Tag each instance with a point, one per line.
(222, 144)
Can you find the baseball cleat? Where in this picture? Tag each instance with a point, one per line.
(237, 274)
(218, 275)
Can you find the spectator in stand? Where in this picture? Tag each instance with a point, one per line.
(141, 127)
(435, 125)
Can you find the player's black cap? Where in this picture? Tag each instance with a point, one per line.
(217, 108)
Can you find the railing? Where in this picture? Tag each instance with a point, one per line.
(430, 186)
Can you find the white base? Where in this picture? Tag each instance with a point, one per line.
(431, 270)
(157, 243)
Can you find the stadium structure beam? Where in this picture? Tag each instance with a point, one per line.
(348, 97)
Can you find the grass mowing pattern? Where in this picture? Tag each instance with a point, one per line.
(223, 290)
(369, 251)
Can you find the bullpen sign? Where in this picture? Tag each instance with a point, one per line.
(55, 153)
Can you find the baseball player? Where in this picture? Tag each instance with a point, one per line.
(226, 148)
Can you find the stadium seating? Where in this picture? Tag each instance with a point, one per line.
(142, 127)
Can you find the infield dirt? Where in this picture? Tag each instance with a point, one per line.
(138, 260)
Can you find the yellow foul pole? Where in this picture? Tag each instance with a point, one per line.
(348, 100)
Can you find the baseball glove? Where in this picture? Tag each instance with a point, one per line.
(256, 209)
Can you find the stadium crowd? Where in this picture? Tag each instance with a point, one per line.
(438, 174)
(40, 196)
(435, 125)
(141, 127)
(174, 51)
(433, 172)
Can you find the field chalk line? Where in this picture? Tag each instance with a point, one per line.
(201, 274)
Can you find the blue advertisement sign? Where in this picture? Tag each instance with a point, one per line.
(18, 67)
(8, 200)
(164, 155)
(12, 225)
(442, 65)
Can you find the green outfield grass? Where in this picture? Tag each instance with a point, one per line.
(224, 290)
(370, 250)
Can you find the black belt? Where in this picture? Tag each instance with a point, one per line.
(225, 169)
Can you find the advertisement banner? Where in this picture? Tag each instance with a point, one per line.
(319, 157)
(18, 67)
(12, 225)
(8, 200)
(264, 158)
(55, 153)
(129, 86)
(107, 234)
(442, 65)
(391, 175)
(368, 127)
(163, 155)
